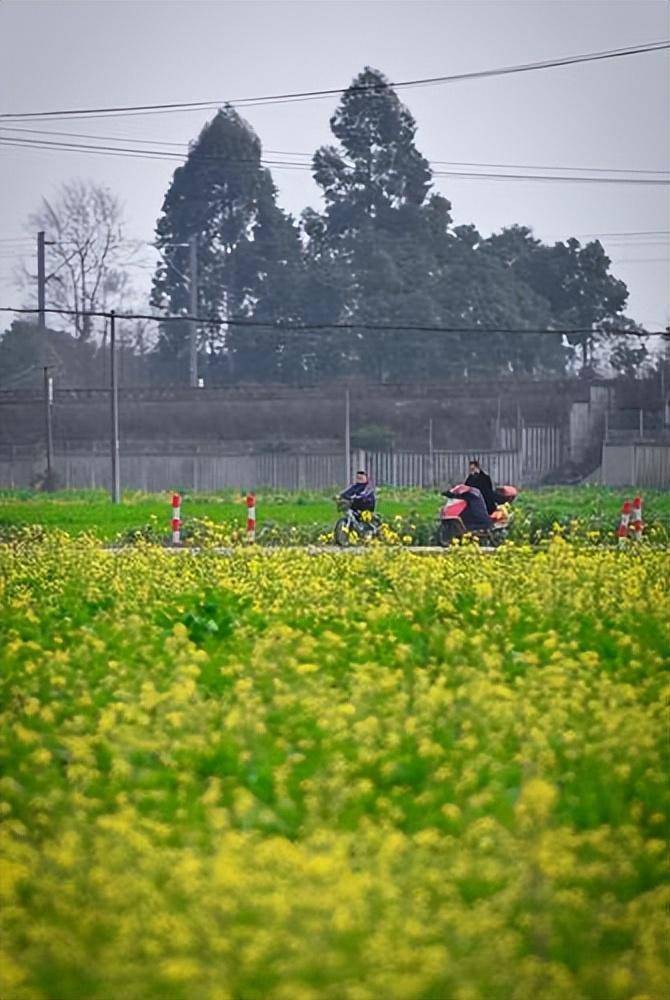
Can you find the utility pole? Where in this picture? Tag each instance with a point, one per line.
(48, 400)
(114, 393)
(665, 370)
(431, 455)
(347, 435)
(41, 280)
(193, 335)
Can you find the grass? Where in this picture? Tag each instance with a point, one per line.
(92, 512)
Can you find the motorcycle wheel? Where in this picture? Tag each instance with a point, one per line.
(341, 532)
(448, 531)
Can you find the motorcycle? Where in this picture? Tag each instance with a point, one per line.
(453, 518)
(353, 526)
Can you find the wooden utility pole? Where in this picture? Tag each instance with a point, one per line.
(193, 333)
(431, 455)
(41, 280)
(665, 373)
(48, 400)
(114, 394)
(347, 435)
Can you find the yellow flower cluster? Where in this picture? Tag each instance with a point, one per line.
(301, 776)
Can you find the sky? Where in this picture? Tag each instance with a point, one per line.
(612, 114)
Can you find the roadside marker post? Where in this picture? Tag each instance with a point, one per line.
(636, 524)
(631, 524)
(176, 519)
(251, 517)
(622, 530)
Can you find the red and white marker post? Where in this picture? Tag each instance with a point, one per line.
(622, 530)
(176, 519)
(636, 523)
(251, 517)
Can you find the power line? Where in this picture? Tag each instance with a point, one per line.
(633, 244)
(156, 154)
(151, 153)
(374, 88)
(136, 154)
(644, 232)
(546, 177)
(354, 327)
(185, 144)
(642, 260)
(545, 166)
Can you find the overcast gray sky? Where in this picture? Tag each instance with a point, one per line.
(608, 114)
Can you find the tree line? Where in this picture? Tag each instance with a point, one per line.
(382, 251)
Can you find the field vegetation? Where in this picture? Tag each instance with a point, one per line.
(297, 777)
(308, 517)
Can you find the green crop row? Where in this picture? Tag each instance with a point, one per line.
(306, 517)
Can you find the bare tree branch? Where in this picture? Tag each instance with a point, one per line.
(87, 252)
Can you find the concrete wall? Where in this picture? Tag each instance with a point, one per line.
(587, 423)
(636, 464)
(526, 454)
(158, 472)
(463, 412)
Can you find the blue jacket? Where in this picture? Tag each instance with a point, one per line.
(362, 496)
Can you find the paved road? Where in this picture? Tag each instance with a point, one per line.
(312, 550)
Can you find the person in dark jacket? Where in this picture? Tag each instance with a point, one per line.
(475, 517)
(361, 493)
(482, 482)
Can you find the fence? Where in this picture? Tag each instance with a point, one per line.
(636, 465)
(167, 470)
(443, 467)
(543, 446)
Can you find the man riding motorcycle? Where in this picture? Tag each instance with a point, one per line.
(481, 481)
(475, 517)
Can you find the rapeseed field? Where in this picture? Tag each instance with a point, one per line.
(293, 776)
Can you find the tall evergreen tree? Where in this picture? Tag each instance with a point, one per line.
(382, 252)
(372, 234)
(378, 167)
(406, 264)
(398, 260)
(224, 197)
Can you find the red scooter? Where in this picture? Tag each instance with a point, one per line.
(454, 521)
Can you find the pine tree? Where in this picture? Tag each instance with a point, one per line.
(397, 259)
(224, 197)
(371, 234)
(378, 168)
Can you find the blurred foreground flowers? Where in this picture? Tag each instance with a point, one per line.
(311, 776)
